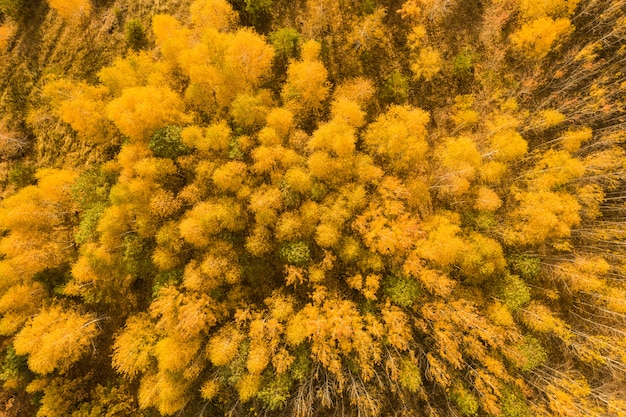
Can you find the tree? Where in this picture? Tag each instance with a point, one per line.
(55, 348)
(71, 10)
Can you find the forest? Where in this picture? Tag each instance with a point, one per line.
(312, 208)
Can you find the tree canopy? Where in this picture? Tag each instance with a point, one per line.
(319, 208)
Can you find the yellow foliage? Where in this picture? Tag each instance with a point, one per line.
(492, 172)
(224, 346)
(258, 357)
(7, 30)
(135, 70)
(71, 9)
(487, 200)
(426, 64)
(549, 118)
(416, 36)
(170, 36)
(307, 85)
(248, 57)
(336, 137)
(398, 137)
(166, 391)
(18, 304)
(573, 139)
(230, 176)
(141, 111)
(541, 319)
(281, 120)
(537, 38)
(217, 14)
(554, 170)
(443, 246)
(541, 216)
(250, 111)
(359, 90)
(55, 339)
(554, 8)
(210, 389)
(348, 112)
(248, 386)
(508, 145)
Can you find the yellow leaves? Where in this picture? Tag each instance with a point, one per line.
(18, 304)
(574, 138)
(541, 319)
(348, 112)
(82, 107)
(265, 203)
(249, 111)
(426, 64)
(437, 371)
(398, 138)
(387, 234)
(335, 329)
(217, 14)
(174, 355)
(38, 219)
(166, 391)
(553, 8)
(248, 57)
(537, 38)
(210, 389)
(357, 90)
(336, 137)
(483, 258)
(7, 30)
(281, 120)
(398, 329)
(248, 386)
(542, 215)
(224, 346)
(71, 10)
(548, 118)
(135, 70)
(368, 286)
(298, 180)
(416, 36)
(487, 200)
(215, 137)
(443, 246)
(230, 176)
(55, 339)
(209, 218)
(584, 274)
(306, 86)
(258, 358)
(409, 375)
(140, 111)
(133, 347)
(459, 161)
(507, 145)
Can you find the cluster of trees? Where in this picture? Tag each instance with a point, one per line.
(415, 209)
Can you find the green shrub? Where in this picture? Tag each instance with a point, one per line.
(297, 253)
(402, 291)
(135, 34)
(286, 42)
(167, 143)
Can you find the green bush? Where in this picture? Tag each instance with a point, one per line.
(402, 291)
(167, 143)
(135, 34)
(297, 253)
(396, 89)
(286, 42)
